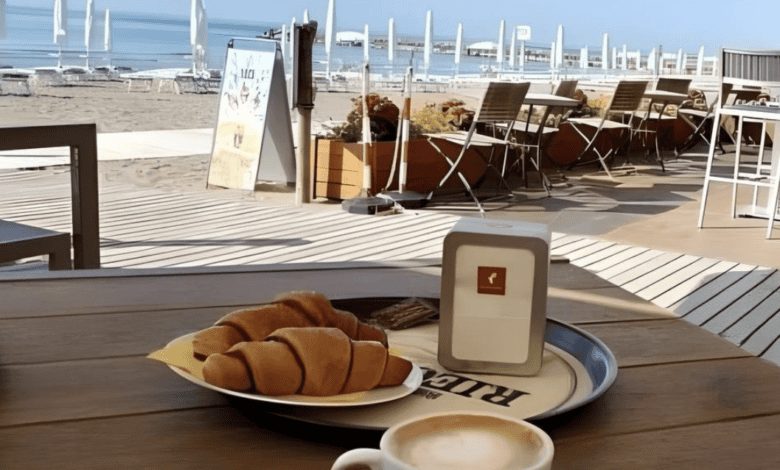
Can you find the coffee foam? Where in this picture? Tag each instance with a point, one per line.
(467, 443)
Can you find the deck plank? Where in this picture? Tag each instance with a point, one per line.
(744, 305)
(728, 296)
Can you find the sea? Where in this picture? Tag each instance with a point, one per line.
(143, 42)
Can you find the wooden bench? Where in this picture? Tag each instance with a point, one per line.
(18, 241)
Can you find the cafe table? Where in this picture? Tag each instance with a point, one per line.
(77, 390)
(550, 101)
(665, 98)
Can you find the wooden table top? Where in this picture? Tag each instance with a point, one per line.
(548, 99)
(76, 390)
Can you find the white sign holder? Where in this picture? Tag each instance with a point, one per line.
(253, 139)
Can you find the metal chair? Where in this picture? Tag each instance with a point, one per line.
(500, 104)
(668, 92)
(744, 68)
(626, 98)
(699, 120)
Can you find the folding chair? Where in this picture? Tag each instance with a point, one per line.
(668, 91)
(699, 120)
(747, 68)
(500, 104)
(626, 98)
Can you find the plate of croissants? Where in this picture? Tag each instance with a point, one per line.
(297, 350)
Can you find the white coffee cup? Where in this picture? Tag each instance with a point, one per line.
(461, 440)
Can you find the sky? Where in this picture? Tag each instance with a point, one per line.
(674, 24)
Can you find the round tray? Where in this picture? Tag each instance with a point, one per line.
(577, 369)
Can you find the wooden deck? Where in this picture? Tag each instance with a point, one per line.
(148, 228)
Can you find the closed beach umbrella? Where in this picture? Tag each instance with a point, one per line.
(559, 47)
(512, 51)
(199, 34)
(365, 44)
(428, 42)
(291, 43)
(60, 26)
(391, 41)
(305, 16)
(2, 19)
(89, 20)
(458, 46)
(108, 37)
(500, 47)
(651, 60)
(625, 58)
(552, 55)
(605, 52)
(700, 61)
(678, 64)
(108, 34)
(330, 32)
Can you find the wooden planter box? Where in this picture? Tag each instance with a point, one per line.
(338, 167)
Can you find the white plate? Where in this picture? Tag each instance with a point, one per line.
(370, 397)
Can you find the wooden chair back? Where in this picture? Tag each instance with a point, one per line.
(501, 102)
(627, 96)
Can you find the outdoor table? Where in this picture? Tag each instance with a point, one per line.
(77, 391)
(549, 100)
(666, 98)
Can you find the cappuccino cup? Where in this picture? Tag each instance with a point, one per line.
(460, 440)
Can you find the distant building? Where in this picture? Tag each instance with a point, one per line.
(482, 49)
(350, 38)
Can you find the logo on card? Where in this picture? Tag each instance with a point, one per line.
(491, 280)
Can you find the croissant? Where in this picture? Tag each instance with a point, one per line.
(306, 361)
(295, 309)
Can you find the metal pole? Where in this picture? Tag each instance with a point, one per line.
(304, 103)
(366, 133)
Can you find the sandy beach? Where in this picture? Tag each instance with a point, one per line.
(112, 108)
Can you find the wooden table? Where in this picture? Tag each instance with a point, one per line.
(76, 390)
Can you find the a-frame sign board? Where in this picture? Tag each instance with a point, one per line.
(253, 139)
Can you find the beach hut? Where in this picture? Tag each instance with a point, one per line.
(350, 38)
(482, 49)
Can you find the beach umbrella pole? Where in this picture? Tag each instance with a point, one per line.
(366, 134)
(404, 197)
(364, 203)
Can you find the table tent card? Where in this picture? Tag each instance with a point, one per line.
(253, 139)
